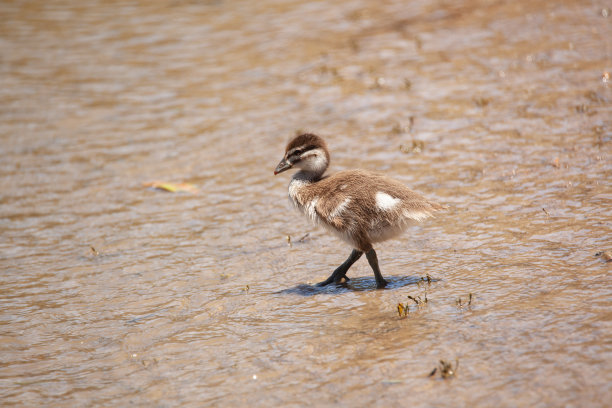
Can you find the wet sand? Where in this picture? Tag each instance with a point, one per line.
(113, 293)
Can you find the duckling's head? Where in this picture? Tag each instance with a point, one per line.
(307, 152)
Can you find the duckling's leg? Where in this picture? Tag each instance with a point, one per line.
(340, 272)
(373, 260)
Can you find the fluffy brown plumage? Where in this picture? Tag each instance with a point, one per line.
(358, 206)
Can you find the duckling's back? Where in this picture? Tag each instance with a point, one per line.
(361, 207)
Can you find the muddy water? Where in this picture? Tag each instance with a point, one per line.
(116, 294)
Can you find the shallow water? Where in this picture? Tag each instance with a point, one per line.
(115, 294)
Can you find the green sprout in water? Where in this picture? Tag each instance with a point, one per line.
(460, 303)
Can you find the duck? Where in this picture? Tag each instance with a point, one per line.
(360, 207)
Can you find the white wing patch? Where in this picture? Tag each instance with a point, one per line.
(385, 202)
(339, 209)
(416, 215)
(311, 210)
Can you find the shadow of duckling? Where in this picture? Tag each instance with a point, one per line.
(358, 284)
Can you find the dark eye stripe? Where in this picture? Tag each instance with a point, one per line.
(300, 151)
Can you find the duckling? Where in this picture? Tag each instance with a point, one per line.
(360, 207)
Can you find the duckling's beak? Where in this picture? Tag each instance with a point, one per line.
(282, 166)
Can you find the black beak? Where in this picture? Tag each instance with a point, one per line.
(282, 166)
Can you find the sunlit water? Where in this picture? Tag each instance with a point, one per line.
(116, 294)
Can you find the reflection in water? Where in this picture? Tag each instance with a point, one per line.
(500, 110)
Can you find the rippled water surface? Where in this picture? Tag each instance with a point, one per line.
(116, 294)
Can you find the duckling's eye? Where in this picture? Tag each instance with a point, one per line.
(296, 154)
(299, 152)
